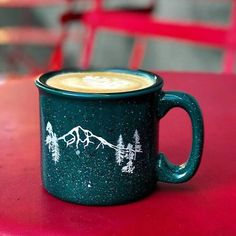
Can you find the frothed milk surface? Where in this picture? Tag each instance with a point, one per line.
(99, 82)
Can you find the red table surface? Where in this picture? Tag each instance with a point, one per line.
(206, 205)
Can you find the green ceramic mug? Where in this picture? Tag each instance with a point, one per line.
(118, 161)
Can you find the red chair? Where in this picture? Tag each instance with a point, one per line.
(142, 24)
(134, 22)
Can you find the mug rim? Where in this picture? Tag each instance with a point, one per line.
(40, 82)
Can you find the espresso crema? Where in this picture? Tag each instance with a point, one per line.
(99, 82)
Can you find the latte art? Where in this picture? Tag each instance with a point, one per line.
(99, 82)
(104, 82)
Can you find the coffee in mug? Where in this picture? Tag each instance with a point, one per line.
(99, 82)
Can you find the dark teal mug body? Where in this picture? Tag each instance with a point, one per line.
(101, 149)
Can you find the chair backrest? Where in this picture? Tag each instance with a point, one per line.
(89, 19)
(142, 25)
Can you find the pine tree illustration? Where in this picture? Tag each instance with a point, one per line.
(52, 142)
(137, 145)
(55, 149)
(129, 168)
(120, 152)
(130, 151)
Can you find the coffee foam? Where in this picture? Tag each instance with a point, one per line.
(99, 82)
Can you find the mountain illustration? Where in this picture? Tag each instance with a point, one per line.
(78, 135)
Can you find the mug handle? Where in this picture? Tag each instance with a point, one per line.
(166, 171)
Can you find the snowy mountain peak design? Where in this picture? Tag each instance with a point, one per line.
(124, 156)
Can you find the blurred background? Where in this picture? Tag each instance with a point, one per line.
(174, 35)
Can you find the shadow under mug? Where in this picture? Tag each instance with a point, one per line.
(100, 149)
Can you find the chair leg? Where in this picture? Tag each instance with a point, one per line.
(138, 52)
(88, 45)
(228, 61)
(56, 60)
(229, 55)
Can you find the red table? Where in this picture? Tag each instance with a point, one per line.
(204, 206)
